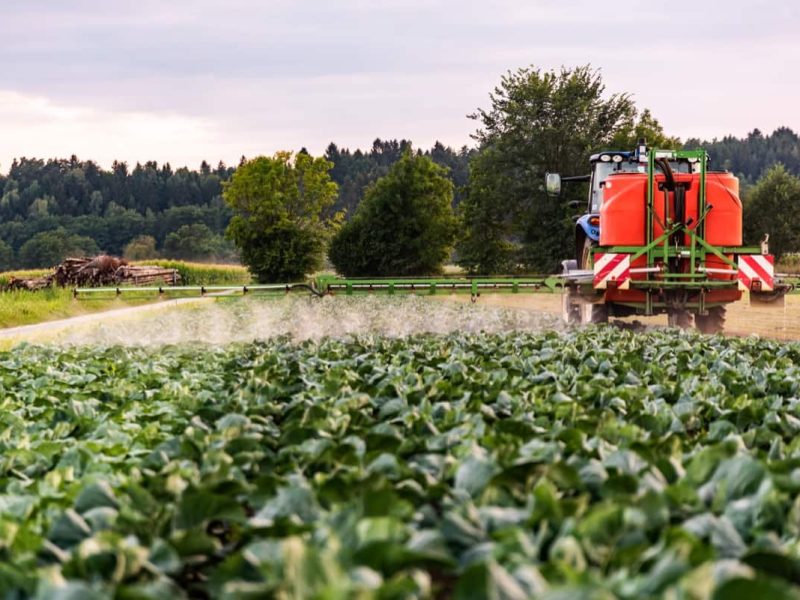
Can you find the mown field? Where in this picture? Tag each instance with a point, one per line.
(21, 307)
(588, 464)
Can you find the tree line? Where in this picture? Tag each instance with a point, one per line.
(750, 157)
(53, 208)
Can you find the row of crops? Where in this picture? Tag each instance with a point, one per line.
(588, 464)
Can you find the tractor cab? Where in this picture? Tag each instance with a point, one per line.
(615, 161)
(604, 164)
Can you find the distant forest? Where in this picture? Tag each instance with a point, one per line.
(750, 157)
(52, 207)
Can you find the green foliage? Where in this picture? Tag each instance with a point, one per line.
(197, 242)
(773, 206)
(279, 207)
(110, 206)
(539, 121)
(354, 171)
(789, 263)
(593, 464)
(141, 247)
(487, 247)
(114, 206)
(49, 248)
(404, 226)
(645, 126)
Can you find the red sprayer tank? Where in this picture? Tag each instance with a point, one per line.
(623, 213)
(724, 221)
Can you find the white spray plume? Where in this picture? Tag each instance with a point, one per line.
(303, 318)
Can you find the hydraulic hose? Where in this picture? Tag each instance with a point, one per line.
(680, 203)
(669, 183)
(305, 286)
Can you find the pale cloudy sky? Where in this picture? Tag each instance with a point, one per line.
(187, 80)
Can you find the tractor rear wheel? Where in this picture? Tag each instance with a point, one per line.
(713, 322)
(591, 313)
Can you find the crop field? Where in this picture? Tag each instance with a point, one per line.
(193, 273)
(594, 463)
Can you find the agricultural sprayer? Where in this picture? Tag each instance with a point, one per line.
(662, 234)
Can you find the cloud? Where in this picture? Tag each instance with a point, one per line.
(247, 77)
(33, 123)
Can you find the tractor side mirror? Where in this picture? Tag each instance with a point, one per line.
(552, 183)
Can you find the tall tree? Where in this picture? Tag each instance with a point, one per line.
(404, 226)
(538, 121)
(278, 206)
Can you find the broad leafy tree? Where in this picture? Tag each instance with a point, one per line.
(403, 226)
(279, 206)
(537, 121)
(355, 170)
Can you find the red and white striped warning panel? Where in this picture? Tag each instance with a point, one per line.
(755, 270)
(612, 267)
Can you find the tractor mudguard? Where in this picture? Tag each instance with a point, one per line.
(592, 232)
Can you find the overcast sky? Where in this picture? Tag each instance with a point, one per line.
(187, 80)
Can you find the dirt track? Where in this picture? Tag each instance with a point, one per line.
(48, 331)
(742, 318)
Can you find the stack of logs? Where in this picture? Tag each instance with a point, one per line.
(98, 271)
